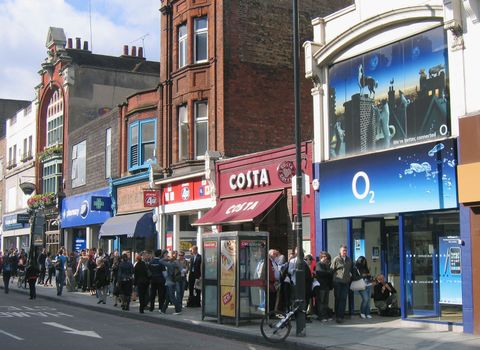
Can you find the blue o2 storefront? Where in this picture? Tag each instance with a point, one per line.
(399, 209)
(82, 215)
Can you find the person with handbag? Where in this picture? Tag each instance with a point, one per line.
(363, 272)
(342, 267)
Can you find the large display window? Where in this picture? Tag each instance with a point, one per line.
(390, 97)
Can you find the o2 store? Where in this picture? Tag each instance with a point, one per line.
(399, 209)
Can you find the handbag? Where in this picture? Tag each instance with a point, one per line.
(198, 283)
(358, 285)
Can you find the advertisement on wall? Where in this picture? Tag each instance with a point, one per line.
(450, 270)
(421, 177)
(227, 277)
(389, 97)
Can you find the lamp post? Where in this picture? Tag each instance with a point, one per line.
(300, 270)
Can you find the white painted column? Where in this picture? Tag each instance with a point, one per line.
(88, 234)
(176, 231)
(199, 234)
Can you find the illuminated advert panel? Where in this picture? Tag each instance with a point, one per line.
(421, 177)
(390, 97)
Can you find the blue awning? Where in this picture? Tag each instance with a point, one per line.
(131, 225)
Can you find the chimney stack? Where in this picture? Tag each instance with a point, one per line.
(134, 51)
(85, 45)
(78, 43)
(125, 50)
(140, 52)
(70, 43)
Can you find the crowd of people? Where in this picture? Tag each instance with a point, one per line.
(157, 279)
(323, 275)
(161, 278)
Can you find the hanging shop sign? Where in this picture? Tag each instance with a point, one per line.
(151, 199)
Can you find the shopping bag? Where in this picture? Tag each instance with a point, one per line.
(358, 285)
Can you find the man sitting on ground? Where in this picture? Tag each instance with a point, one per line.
(385, 297)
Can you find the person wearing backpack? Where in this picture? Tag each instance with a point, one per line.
(6, 271)
(170, 285)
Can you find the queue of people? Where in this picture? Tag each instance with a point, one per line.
(323, 275)
(161, 276)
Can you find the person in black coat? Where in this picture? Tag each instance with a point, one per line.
(324, 276)
(141, 281)
(195, 272)
(157, 282)
(31, 275)
(101, 281)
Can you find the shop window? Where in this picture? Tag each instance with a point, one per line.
(142, 144)
(79, 164)
(336, 235)
(182, 45)
(201, 39)
(183, 138)
(52, 176)
(201, 129)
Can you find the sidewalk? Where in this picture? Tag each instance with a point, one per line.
(354, 334)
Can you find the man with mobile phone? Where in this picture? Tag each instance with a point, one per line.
(385, 297)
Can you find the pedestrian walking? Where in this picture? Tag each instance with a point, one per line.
(50, 269)
(41, 264)
(60, 263)
(6, 271)
(342, 267)
(195, 273)
(31, 275)
(157, 282)
(141, 281)
(101, 281)
(125, 278)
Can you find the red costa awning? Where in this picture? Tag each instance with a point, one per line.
(239, 209)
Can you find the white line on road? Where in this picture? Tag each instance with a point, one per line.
(73, 331)
(11, 335)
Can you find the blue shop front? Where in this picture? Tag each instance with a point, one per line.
(81, 218)
(399, 209)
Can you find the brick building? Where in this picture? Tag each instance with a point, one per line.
(75, 132)
(226, 89)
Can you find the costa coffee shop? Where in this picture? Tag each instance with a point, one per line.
(255, 194)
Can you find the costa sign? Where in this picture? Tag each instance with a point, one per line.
(250, 179)
(245, 206)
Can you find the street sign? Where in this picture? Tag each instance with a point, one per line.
(100, 203)
(151, 198)
(23, 218)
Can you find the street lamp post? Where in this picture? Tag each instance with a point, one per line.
(300, 269)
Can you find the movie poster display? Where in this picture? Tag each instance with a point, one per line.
(390, 97)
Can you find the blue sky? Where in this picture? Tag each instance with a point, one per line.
(24, 27)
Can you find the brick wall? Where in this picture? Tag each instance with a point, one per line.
(259, 100)
(94, 134)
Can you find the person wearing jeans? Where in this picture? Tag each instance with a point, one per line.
(60, 264)
(342, 267)
(366, 294)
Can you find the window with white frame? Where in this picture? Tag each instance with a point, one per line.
(25, 149)
(30, 146)
(201, 39)
(182, 45)
(142, 144)
(79, 164)
(108, 153)
(183, 137)
(201, 129)
(55, 119)
(52, 176)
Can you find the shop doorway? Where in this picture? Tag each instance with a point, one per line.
(433, 282)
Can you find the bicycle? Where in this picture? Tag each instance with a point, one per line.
(276, 327)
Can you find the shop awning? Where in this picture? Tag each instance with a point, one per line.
(131, 225)
(239, 209)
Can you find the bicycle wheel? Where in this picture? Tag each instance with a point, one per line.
(275, 328)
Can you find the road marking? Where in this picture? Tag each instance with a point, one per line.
(73, 331)
(11, 335)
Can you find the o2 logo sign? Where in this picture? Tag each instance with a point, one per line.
(366, 190)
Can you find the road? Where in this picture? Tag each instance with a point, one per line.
(42, 324)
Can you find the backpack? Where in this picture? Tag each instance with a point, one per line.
(177, 274)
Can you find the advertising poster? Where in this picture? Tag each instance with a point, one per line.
(421, 177)
(389, 97)
(450, 271)
(210, 259)
(227, 307)
(227, 262)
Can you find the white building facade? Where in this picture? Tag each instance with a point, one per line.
(20, 168)
(392, 82)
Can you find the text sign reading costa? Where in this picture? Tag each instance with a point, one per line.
(249, 179)
(245, 206)
(151, 198)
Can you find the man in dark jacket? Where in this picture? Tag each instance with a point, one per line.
(41, 265)
(157, 282)
(195, 272)
(323, 275)
(385, 297)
